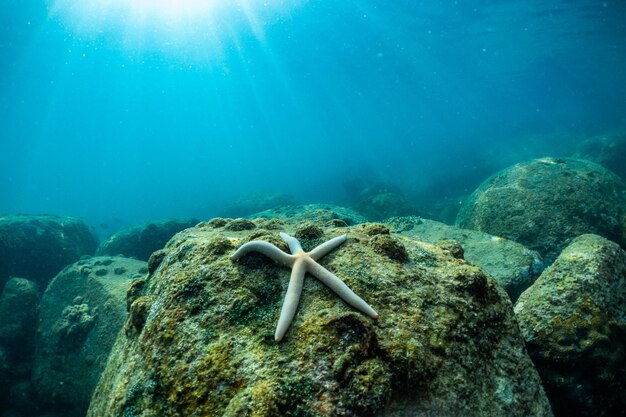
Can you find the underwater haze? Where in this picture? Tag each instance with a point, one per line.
(440, 184)
(141, 110)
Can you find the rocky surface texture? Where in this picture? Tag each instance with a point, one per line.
(607, 151)
(325, 214)
(139, 242)
(513, 266)
(18, 321)
(574, 321)
(82, 310)
(545, 203)
(38, 247)
(199, 340)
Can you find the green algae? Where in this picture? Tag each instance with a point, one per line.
(573, 321)
(390, 247)
(207, 339)
(547, 202)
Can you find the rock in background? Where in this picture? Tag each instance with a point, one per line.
(545, 203)
(607, 151)
(200, 340)
(574, 321)
(18, 321)
(38, 247)
(82, 310)
(245, 206)
(513, 266)
(326, 214)
(139, 242)
(379, 200)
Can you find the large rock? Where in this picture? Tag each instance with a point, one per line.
(38, 247)
(574, 321)
(545, 203)
(82, 310)
(513, 266)
(139, 242)
(200, 340)
(18, 321)
(608, 151)
(18, 317)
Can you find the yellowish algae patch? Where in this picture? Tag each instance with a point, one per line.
(573, 321)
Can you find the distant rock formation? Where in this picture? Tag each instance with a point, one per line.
(574, 321)
(139, 242)
(545, 203)
(378, 200)
(245, 206)
(327, 214)
(199, 339)
(38, 247)
(82, 310)
(608, 151)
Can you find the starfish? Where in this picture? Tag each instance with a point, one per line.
(300, 263)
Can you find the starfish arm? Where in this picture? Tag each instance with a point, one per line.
(326, 247)
(294, 244)
(292, 298)
(340, 288)
(266, 249)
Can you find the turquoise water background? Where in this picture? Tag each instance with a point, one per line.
(118, 113)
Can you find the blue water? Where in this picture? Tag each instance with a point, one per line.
(130, 114)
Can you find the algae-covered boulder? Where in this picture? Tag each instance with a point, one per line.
(38, 247)
(82, 310)
(574, 321)
(545, 203)
(326, 214)
(512, 265)
(18, 316)
(199, 340)
(139, 242)
(18, 320)
(606, 150)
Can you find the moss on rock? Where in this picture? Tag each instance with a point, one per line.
(81, 313)
(545, 203)
(574, 321)
(140, 242)
(446, 342)
(511, 264)
(38, 247)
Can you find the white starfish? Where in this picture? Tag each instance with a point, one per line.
(300, 263)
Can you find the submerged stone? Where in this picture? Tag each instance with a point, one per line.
(18, 321)
(379, 200)
(574, 321)
(200, 340)
(139, 242)
(82, 310)
(607, 150)
(545, 203)
(38, 247)
(512, 265)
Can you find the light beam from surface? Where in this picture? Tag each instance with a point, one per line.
(200, 28)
